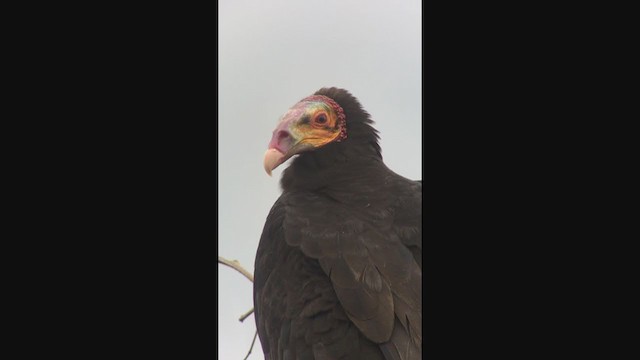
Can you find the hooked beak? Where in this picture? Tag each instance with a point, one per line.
(272, 159)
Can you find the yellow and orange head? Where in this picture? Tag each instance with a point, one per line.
(310, 124)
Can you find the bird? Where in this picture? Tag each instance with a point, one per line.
(338, 269)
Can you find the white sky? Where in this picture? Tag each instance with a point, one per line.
(271, 55)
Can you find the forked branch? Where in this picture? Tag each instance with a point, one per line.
(235, 264)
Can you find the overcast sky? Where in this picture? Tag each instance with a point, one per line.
(271, 55)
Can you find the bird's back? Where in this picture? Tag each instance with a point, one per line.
(317, 243)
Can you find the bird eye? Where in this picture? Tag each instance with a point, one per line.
(321, 119)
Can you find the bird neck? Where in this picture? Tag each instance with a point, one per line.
(332, 167)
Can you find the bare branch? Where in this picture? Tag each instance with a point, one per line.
(235, 265)
(246, 315)
(251, 348)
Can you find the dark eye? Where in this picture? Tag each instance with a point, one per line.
(321, 119)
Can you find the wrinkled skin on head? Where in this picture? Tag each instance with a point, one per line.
(310, 124)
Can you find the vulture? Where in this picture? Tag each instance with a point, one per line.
(338, 271)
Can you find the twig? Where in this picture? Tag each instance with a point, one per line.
(236, 265)
(253, 342)
(246, 315)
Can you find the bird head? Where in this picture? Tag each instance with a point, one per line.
(310, 124)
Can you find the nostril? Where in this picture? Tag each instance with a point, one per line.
(282, 135)
(281, 140)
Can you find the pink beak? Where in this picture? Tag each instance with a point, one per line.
(272, 158)
(281, 141)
